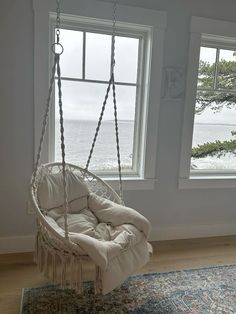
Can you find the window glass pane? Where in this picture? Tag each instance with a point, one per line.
(82, 105)
(72, 57)
(126, 56)
(227, 70)
(98, 56)
(214, 136)
(206, 67)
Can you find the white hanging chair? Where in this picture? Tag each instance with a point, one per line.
(61, 258)
(80, 217)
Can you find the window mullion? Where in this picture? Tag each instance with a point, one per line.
(218, 90)
(64, 78)
(136, 162)
(84, 55)
(216, 68)
(111, 57)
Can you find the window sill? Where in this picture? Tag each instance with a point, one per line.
(208, 182)
(131, 184)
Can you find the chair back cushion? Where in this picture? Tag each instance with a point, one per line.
(51, 191)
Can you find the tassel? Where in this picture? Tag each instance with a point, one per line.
(40, 257)
(79, 285)
(71, 272)
(36, 249)
(57, 268)
(54, 268)
(46, 262)
(43, 259)
(97, 282)
(63, 271)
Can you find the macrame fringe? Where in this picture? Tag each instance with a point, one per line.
(62, 268)
(98, 281)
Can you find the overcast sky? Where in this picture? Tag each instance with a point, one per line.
(84, 100)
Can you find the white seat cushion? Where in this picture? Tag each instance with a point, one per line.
(85, 222)
(114, 236)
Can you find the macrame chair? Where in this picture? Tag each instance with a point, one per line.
(61, 260)
(57, 255)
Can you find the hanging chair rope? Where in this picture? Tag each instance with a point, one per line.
(60, 258)
(51, 84)
(110, 83)
(98, 125)
(56, 69)
(45, 120)
(63, 154)
(66, 205)
(117, 140)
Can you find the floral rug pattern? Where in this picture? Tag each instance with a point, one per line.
(198, 291)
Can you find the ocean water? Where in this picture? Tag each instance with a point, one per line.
(78, 141)
(79, 136)
(210, 133)
(204, 132)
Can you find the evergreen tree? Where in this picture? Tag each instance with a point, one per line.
(226, 81)
(222, 97)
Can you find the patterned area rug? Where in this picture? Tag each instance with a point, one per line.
(197, 291)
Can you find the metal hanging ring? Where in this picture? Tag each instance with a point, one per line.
(57, 49)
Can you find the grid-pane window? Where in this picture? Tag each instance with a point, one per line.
(85, 70)
(214, 136)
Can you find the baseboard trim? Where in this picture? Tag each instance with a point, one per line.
(189, 231)
(17, 244)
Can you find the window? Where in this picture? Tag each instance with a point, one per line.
(209, 142)
(214, 142)
(85, 68)
(86, 28)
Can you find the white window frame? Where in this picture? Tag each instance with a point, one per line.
(152, 25)
(203, 31)
(122, 29)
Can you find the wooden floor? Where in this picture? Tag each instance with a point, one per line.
(18, 270)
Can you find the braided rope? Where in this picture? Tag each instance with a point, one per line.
(113, 62)
(45, 121)
(117, 138)
(56, 67)
(98, 125)
(48, 102)
(66, 205)
(111, 82)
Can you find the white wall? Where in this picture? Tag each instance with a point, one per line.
(16, 116)
(174, 213)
